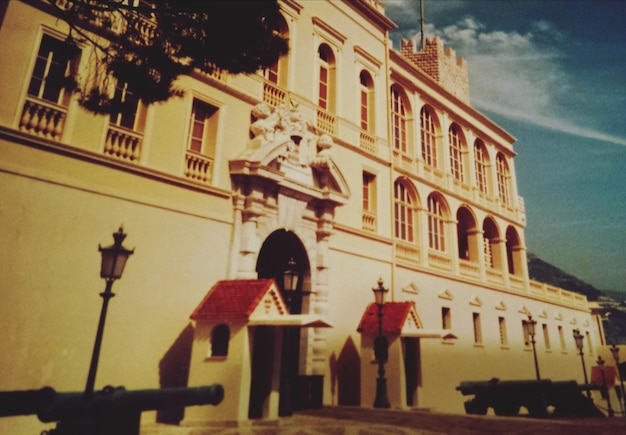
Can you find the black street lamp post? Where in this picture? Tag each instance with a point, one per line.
(605, 388)
(113, 261)
(615, 351)
(381, 349)
(579, 345)
(530, 328)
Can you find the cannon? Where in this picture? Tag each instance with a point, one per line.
(565, 398)
(113, 410)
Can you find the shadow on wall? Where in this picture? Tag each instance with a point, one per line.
(346, 375)
(174, 372)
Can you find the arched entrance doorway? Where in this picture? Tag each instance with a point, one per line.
(281, 254)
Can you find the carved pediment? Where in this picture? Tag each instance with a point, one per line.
(290, 151)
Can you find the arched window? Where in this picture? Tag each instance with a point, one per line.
(219, 340)
(366, 91)
(277, 73)
(404, 212)
(428, 138)
(504, 177)
(326, 62)
(513, 252)
(480, 166)
(436, 223)
(457, 152)
(398, 120)
(466, 235)
(491, 244)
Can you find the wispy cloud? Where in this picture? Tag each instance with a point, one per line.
(519, 75)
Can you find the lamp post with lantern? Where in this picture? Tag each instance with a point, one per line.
(291, 277)
(530, 329)
(114, 259)
(380, 349)
(578, 337)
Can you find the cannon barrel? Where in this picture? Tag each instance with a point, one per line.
(478, 387)
(112, 401)
(25, 402)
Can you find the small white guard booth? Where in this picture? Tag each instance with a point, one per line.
(238, 343)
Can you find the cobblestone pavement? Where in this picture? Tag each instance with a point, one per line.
(364, 421)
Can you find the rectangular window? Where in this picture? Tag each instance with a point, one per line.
(203, 128)
(51, 69)
(368, 191)
(446, 319)
(364, 109)
(546, 336)
(525, 332)
(128, 107)
(323, 92)
(504, 341)
(589, 346)
(478, 332)
(562, 338)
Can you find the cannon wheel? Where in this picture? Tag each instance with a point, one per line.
(476, 407)
(507, 408)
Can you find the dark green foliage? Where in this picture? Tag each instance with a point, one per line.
(613, 302)
(544, 272)
(149, 46)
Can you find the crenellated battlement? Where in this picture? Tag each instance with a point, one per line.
(441, 64)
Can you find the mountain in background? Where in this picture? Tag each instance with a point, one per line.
(613, 302)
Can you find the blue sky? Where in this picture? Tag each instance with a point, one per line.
(553, 74)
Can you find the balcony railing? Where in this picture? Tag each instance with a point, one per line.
(403, 160)
(369, 221)
(494, 276)
(123, 144)
(273, 95)
(367, 142)
(326, 122)
(469, 268)
(439, 260)
(198, 167)
(43, 119)
(407, 252)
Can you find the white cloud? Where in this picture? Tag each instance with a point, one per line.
(517, 75)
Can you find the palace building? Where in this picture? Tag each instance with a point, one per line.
(347, 163)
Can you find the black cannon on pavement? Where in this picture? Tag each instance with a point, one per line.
(113, 410)
(542, 398)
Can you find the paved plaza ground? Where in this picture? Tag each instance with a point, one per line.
(363, 421)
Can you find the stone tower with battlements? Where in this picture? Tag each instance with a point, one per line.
(441, 64)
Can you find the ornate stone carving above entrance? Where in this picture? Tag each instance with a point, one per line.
(284, 146)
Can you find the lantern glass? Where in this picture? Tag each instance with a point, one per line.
(379, 293)
(579, 339)
(530, 325)
(291, 277)
(114, 257)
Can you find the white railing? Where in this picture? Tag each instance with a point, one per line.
(198, 167)
(369, 221)
(326, 122)
(123, 144)
(469, 268)
(273, 95)
(403, 160)
(367, 142)
(407, 252)
(439, 260)
(43, 119)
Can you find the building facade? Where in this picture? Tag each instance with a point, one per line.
(346, 162)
